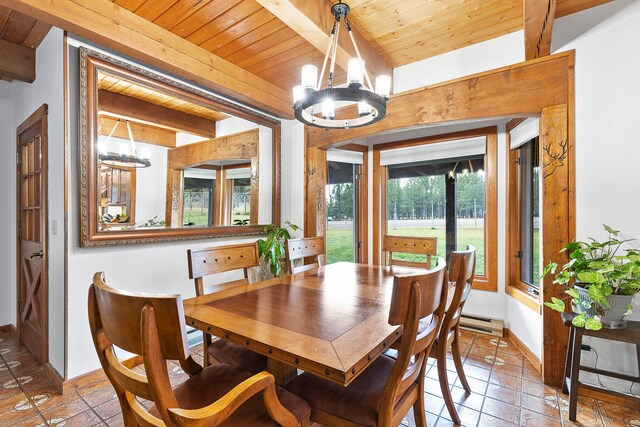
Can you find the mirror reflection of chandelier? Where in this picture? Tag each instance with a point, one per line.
(317, 107)
(127, 155)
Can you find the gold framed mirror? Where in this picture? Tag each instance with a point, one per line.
(161, 160)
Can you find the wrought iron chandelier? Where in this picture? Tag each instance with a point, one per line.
(315, 106)
(127, 153)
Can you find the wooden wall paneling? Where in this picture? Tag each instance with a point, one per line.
(313, 20)
(129, 108)
(117, 28)
(141, 133)
(489, 282)
(173, 211)
(17, 61)
(554, 160)
(538, 26)
(255, 181)
(517, 90)
(315, 197)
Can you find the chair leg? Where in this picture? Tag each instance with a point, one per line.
(206, 341)
(444, 383)
(457, 360)
(419, 414)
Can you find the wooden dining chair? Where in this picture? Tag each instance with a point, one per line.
(462, 267)
(305, 248)
(217, 260)
(152, 328)
(426, 246)
(386, 390)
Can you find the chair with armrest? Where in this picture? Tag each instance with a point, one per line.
(216, 260)
(152, 327)
(387, 389)
(462, 267)
(409, 245)
(305, 248)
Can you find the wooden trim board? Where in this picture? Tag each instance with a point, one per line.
(528, 354)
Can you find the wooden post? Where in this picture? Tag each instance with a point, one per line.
(556, 231)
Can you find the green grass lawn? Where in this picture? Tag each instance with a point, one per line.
(340, 243)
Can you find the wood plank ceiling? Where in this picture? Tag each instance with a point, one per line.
(131, 89)
(21, 29)
(402, 31)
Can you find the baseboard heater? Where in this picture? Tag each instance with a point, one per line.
(483, 325)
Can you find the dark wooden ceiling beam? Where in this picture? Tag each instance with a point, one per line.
(538, 26)
(17, 61)
(114, 27)
(125, 107)
(312, 20)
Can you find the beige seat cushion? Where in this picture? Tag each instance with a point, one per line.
(359, 402)
(216, 380)
(235, 355)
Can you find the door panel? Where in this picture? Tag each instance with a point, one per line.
(32, 280)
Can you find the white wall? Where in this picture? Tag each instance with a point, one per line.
(607, 43)
(487, 55)
(8, 195)
(151, 185)
(27, 98)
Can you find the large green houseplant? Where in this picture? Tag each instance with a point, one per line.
(272, 250)
(601, 279)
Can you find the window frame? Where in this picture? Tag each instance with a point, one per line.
(486, 282)
(515, 287)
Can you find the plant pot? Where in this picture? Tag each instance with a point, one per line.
(612, 318)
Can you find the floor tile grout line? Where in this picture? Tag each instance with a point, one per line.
(15, 378)
(521, 392)
(91, 408)
(484, 395)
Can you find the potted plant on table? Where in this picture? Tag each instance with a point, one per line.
(600, 283)
(272, 250)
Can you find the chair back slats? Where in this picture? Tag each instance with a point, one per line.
(129, 379)
(462, 267)
(142, 416)
(203, 262)
(305, 248)
(120, 313)
(430, 300)
(413, 297)
(409, 245)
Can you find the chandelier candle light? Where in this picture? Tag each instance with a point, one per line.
(127, 153)
(317, 107)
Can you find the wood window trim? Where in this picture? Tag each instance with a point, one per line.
(514, 286)
(488, 282)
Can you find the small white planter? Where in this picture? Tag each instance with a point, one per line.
(613, 318)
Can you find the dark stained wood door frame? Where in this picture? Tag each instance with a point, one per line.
(541, 87)
(40, 115)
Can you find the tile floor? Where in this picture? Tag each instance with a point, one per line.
(506, 391)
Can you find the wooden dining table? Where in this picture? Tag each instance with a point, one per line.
(330, 322)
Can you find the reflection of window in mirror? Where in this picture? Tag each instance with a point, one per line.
(239, 202)
(117, 196)
(198, 201)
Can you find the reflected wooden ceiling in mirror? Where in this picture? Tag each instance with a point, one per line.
(166, 161)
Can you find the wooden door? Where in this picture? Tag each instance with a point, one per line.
(31, 169)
